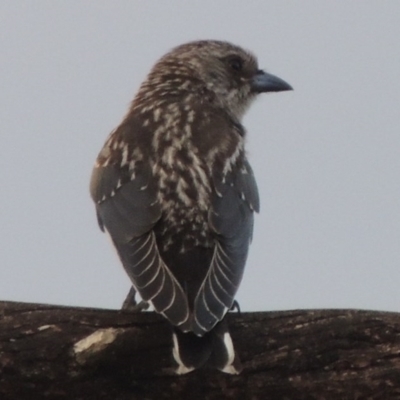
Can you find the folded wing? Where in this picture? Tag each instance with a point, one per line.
(231, 217)
(127, 209)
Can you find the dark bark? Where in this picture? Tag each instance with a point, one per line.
(324, 354)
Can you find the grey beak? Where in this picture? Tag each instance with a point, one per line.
(264, 82)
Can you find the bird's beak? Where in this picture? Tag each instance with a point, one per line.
(264, 82)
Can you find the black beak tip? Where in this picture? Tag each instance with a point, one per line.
(285, 86)
(264, 82)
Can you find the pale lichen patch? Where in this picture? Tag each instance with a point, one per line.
(46, 327)
(94, 343)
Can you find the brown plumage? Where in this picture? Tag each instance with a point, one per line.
(174, 190)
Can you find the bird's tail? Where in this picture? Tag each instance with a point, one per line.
(214, 349)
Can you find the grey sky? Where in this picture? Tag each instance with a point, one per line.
(326, 156)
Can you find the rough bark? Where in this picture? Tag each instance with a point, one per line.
(53, 352)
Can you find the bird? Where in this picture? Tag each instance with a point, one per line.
(174, 190)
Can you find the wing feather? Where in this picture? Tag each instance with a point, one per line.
(127, 209)
(231, 217)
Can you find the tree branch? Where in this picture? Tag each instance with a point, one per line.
(53, 352)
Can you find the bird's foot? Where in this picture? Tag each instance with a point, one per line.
(130, 303)
(235, 307)
(137, 307)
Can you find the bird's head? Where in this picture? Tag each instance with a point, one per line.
(227, 71)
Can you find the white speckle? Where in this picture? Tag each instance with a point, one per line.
(105, 152)
(169, 155)
(124, 155)
(233, 158)
(137, 154)
(190, 116)
(185, 85)
(157, 135)
(188, 130)
(132, 164)
(156, 114)
(212, 153)
(106, 162)
(182, 194)
(145, 109)
(115, 145)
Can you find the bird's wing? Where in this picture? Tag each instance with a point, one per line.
(127, 209)
(231, 217)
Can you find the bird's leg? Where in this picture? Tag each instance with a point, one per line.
(130, 303)
(235, 307)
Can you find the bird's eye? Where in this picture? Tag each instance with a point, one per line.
(236, 63)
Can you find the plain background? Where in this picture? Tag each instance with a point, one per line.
(326, 156)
